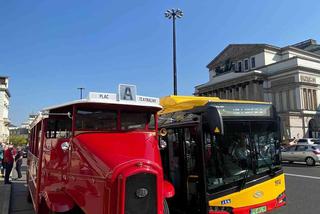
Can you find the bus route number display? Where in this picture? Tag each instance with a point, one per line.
(243, 110)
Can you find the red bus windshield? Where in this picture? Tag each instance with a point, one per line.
(107, 120)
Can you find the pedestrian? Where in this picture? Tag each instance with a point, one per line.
(1, 160)
(8, 158)
(18, 159)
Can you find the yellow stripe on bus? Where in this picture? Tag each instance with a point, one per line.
(257, 194)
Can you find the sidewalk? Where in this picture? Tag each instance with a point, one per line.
(13, 198)
(19, 203)
(5, 194)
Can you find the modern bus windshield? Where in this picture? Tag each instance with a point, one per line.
(247, 149)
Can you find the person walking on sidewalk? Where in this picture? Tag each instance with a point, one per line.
(8, 159)
(18, 160)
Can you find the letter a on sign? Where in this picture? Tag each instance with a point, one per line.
(127, 92)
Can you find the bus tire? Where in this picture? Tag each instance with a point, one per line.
(165, 207)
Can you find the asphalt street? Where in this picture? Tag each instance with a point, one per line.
(302, 188)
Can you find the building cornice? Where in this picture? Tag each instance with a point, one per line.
(252, 76)
(258, 46)
(300, 51)
(6, 90)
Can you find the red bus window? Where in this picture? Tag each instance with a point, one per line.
(59, 128)
(136, 121)
(96, 120)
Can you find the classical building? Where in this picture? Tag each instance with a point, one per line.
(4, 109)
(289, 77)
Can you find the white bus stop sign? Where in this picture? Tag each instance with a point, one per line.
(127, 92)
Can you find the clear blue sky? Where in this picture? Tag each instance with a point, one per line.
(50, 48)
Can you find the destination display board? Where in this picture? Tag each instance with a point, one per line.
(243, 109)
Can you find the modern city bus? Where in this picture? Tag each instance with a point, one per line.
(222, 156)
(98, 155)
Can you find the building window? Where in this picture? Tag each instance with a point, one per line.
(239, 66)
(246, 64)
(253, 62)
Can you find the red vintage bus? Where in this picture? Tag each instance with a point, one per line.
(98, 156)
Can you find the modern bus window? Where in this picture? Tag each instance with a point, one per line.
(174, 145)
(192, 171)
(59, 127)
(266, 145)
(96, 120)
(136, 120)
(227, 157)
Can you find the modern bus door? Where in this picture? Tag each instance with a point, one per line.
(182, 167)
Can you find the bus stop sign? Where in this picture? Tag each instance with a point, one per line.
(127, 92)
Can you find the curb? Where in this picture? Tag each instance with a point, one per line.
(5, 195)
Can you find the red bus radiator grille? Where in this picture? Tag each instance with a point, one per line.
(141, 194)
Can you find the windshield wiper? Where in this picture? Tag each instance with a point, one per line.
(244, 180)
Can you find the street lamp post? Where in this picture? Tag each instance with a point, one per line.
(173, 14)
(81, 89)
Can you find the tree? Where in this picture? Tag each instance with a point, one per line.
(18, 140)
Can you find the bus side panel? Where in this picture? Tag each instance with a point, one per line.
(32, 176)
(54, 170)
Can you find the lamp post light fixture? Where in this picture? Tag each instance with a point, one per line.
(173, 14)
(81, 89)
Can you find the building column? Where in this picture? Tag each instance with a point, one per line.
(254, 86)
(298, 98)
(233, 93)
(240, 92)
(247, 91)
(227, 93)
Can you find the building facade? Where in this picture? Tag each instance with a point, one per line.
(4, 109)
(289, 77)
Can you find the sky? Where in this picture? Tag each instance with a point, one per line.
(49, 48)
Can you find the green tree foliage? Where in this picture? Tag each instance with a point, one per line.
(18, 140)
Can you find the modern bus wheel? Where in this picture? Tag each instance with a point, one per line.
(310, 161)
(165, 207)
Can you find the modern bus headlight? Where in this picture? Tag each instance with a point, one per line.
(281, 199)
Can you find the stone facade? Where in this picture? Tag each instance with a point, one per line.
(4, 109)
(289, 77)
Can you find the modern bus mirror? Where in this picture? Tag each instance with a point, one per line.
(65, 146)
(214, 119)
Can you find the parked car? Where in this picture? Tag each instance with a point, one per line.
(309, 153)
(308, 141)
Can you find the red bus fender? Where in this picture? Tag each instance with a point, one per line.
(58, 201)
(168, 189)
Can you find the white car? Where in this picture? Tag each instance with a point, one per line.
(308, 141)
(309, 153)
